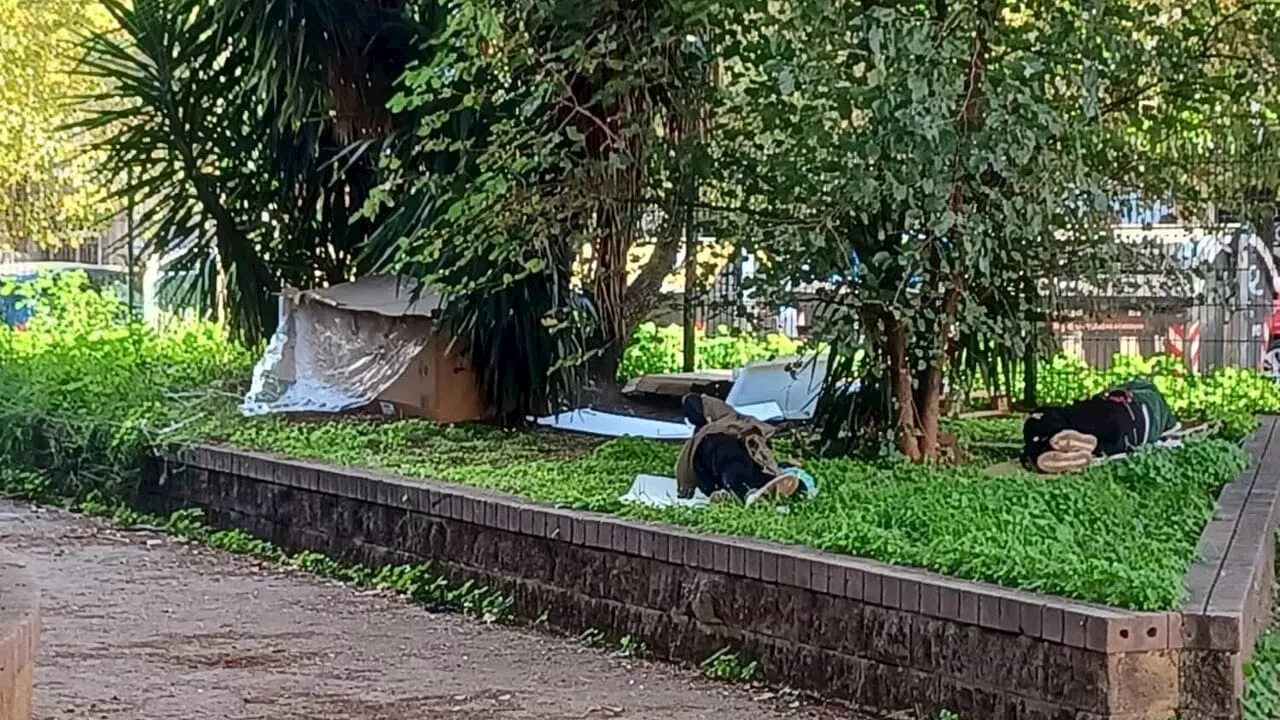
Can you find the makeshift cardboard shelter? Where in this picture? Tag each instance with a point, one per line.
(375, 340)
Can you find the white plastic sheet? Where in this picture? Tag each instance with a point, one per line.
(596, 422)
(660, 492)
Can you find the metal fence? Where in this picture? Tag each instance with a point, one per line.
(91, 254)
(1218, 307)
(1202, 336)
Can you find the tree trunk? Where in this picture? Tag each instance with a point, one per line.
(930, 410)
(629, 307)
(904, 402)
(622, 307)
(927, 415)
(603, 390)
(609, 289)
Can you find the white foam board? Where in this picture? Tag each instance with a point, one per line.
(658, 491)
(794, 390)
(595, 422)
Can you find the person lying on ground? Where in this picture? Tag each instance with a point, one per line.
(1067, 438)
(729, 457)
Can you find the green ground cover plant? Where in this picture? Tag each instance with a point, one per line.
(1262, 679)
(84, 394)
(84, 397)
(1261, 699)
(725, 665)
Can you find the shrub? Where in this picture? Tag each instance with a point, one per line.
(84, 392)
(653, 350)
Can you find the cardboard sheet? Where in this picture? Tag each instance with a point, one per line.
(675, 384)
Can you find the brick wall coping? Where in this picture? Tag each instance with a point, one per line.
(1229, 601)
(19, 637)
(1221, 614)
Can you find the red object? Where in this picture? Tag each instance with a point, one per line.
(1183, 341)
(1273, 327)
(20, 327)
(1120, 396)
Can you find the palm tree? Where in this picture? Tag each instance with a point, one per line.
(252, 127)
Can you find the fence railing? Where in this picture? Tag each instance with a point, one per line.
(1203, 336)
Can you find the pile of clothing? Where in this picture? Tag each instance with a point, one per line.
(1070, 438)
(729, 458)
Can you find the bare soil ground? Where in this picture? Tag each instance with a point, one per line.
(143, 626)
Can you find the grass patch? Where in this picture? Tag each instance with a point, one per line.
(725, 665)
(1262, 679)
(1121, 534)
(1261, 699)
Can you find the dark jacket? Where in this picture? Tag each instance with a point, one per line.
(1125, 417)
(717, 418)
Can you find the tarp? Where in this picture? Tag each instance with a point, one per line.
(338, 348)
(380, 294)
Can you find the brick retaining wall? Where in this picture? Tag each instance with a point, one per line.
(19, 638)
(1232, 585)
(878, 636)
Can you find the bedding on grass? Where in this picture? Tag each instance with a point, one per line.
(84, 396)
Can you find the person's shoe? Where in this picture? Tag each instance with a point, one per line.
(1073, 441)
(723, 497)
(782, 486)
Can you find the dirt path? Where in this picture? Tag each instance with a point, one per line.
(142, 626)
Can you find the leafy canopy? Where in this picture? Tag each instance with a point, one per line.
(48, 192)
